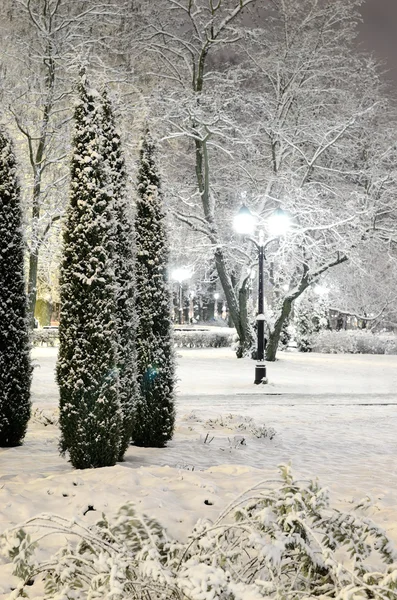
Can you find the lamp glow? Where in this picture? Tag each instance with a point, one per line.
(320, 290)
(181, 274)
(244, 221)
(278, 223)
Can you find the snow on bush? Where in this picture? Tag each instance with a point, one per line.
(280, 540)
(15, 364)
(203, 339)
(48, 337)
(310, 317)
(124, 265)
(154, 410)
(241, 423)
(91, 416)
(353, 342)
(45, 416)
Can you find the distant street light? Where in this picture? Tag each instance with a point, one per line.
(216, 298)
(181, 274)
(320, 290)
(278, 224)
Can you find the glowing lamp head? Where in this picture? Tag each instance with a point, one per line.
(320, 290)
(278, 223)
(244, 221)
(181, 274)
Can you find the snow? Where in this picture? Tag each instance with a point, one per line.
(335, 418)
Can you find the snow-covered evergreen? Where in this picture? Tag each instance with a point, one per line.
(155, 411)
(90, 414)
(311, 315)
(15, 366)
(124, 268)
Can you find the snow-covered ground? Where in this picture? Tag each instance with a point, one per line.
(335, 417)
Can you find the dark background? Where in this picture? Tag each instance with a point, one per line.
(378, 34)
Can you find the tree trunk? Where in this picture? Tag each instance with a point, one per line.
(37, 161)
(237, 307)
(274, 337)
(32, 285)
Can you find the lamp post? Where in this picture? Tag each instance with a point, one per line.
(191, 306)
(260, 369)
(180, 275)
(244, 223)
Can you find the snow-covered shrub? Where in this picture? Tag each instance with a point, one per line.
(310, 317)
(285, 335)
(354, 342)
(45, 416)
(124, 268)
(47, 337)
(154, 414)
(241, 423)
(280, 540)
(203, 339)
(90, 416)
(391, 345)
(15, 365)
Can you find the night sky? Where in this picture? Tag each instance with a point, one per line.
(379, 33)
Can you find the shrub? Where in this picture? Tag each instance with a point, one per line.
(241, 423)
(280, 541)
(45, 417)
(15, 365)
(203, 339)
(353, 342)
(310, 317)
(90, 417)
(124, 266)
(48, 337)
(154, 413)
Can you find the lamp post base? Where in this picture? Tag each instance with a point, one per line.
(260, 374)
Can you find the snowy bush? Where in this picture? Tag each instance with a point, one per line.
(240, 423)
(154, 412)
(353, 342)
(91, 416)
(280, 540)
(310, 317)
(45, 416)
(124, 266)
(15, 365)
(47, 337)
(203, 339)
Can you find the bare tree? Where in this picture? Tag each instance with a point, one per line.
(43, 43)
(284, 113)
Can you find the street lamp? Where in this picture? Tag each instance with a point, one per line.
(320, 290)
(216, 298)
(278, 224)
(181, 274)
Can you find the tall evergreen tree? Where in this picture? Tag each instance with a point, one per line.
(124, 267)
(15, 366)
(155, 411)
(90, 415)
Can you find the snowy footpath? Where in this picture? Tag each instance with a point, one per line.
(333, 416)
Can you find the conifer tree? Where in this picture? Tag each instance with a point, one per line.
(311, 315)
(124, 267)
(15, 365)
(90, 415)
(155, 411)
